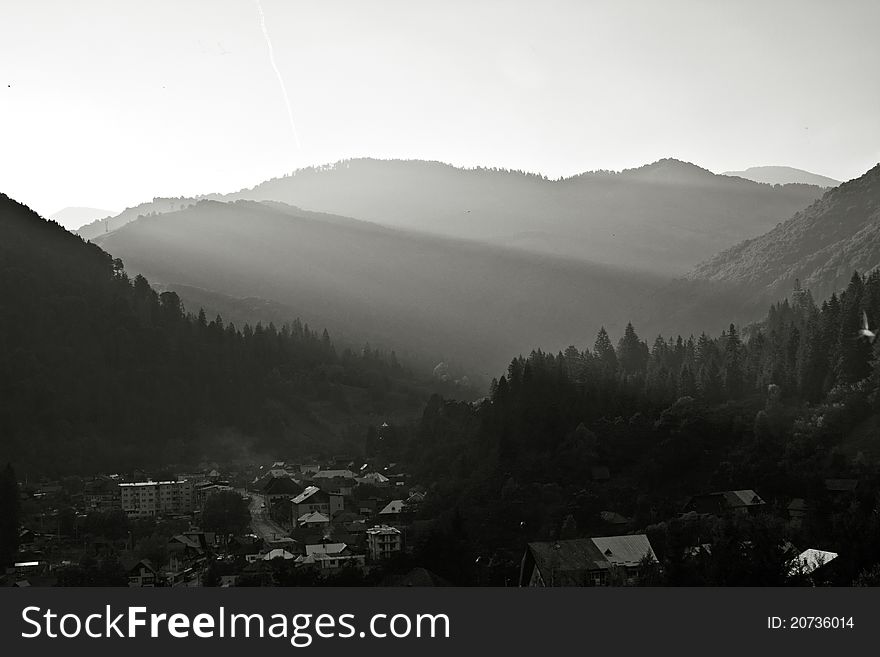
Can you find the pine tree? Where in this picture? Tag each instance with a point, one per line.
(604, 352)
(631, 353)
(733, 377)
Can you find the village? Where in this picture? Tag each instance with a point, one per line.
(332, 521)
(325, 518)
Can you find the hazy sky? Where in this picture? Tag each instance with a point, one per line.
(109, 103)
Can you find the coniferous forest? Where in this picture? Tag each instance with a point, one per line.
(99, 372)
(568, 443)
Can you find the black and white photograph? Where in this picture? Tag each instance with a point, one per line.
(422, 293)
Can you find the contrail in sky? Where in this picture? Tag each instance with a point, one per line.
(278, 73)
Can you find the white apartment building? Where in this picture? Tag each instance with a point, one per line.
(383, 542)
(153, 498)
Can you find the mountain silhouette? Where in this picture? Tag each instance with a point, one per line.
(783, 176)
(661, 218)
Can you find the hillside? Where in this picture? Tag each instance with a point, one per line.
(821, 245)
(446, 299)
(775, 175)
(778, 412)
(661, 218)
(99, 371)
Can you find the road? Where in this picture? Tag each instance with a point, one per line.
(261, 523)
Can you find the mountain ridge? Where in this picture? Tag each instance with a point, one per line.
(663, 217)
(447, 298)
(779, 175)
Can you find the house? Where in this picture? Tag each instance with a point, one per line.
(383, 542)
(576, 562)
(315, 499)
(626, 554)
(184, 552)
(312, 519)
(600, 561)
(281, 488)
(374, 479)
(341, 482)
(278, 553)
(245, 547)
(393, 511)
(329, 558)
(735, 501)
(334, 474)
(141, 573)
(809, 561)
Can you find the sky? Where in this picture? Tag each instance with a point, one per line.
(108, 103)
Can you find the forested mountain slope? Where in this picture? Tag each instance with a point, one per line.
(99, 371)
(442, 298)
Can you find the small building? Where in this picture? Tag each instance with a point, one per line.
(142, 573)
(245, 547)
(313, 519)
(185, 552)
(334, 474)
(278, 553)
(281, 488)
(601, 561)
(383, 542)
(809, 561)
(315, 499)
(374, 479)
(329, 558)
(393, 511)
(626, 554)
(735, 501)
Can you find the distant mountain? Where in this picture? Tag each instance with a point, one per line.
(108, 223)
(447, 299)
(75, 217)
(99, 371)
(783, 176)
(821, 245)
(661, 218)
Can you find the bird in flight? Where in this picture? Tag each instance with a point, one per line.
(866, 332)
